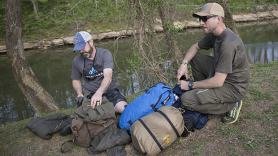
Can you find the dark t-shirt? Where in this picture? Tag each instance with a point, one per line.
(91, 71)
(230, 58)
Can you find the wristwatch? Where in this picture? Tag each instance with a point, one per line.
(190, 85)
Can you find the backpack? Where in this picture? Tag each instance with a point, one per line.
(194, 120)
(89, 122)
(158, 130)
(151, 100)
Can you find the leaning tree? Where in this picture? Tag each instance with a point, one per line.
(26, 79)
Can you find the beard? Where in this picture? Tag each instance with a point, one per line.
(208, 30)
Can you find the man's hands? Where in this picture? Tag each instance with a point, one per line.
(184, 85)
(96, 99)
(79, 100)
(182, 71)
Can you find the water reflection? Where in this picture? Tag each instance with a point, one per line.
(262, 52)
(10, 112)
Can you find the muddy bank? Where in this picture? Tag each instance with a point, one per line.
(181, 25)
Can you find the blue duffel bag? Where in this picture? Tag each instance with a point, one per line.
(151, 100)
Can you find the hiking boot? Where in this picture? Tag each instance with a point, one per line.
(232, 116)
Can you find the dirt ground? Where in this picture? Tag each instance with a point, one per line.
(255, 133)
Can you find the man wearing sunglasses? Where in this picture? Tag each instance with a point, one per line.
(95, 67)
(221, 80)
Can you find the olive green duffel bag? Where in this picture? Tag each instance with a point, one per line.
(89, 122)
(153, 133)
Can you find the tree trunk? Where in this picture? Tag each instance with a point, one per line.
(35, 8)
(228, 16)
(167, 24)
(36, 95)
(140, 26)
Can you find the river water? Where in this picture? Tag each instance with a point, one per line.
(53, 67)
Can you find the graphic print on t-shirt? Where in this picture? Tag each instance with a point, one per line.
(91, 72)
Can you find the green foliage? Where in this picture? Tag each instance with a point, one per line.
(2, 24)
(133, 62)
(43, 1)
(58, 18)
(173, 29)
(64, 17)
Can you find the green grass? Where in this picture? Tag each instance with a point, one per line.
(256, 129)
(10, 132)
(250, 141)
(229, 131)
(264, 77)
(198, 148)
(259, 95)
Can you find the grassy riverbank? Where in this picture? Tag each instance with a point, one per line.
(62, 18)
(254, 134)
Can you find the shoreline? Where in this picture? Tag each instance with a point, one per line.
(180, 25)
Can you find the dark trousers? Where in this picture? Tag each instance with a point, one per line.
(211, 101)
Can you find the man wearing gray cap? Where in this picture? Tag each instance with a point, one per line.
(95, 66)
(221, 80)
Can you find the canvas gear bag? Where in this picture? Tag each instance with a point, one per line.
(46, 126)
(151, 100)
(89, 122)
(158, 130)
(111, 137)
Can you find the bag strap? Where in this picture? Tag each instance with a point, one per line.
(86, 124)
(154, 105)
(170, 122)
(152, 135)
(160, 96)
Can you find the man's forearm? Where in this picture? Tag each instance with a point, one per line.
(191, 52)
(104, 84)
(206, 84)
(77, 87)
(216, 81)
(107, 78)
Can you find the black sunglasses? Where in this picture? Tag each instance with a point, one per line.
(205, 18)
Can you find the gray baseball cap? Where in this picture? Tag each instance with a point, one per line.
(80, 40)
